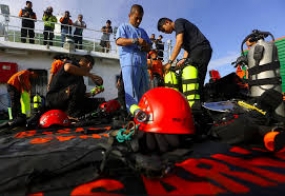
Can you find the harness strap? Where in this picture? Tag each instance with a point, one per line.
(192, 92)
(171, 85)
(276, 80)
(190, 81)
(266, 67)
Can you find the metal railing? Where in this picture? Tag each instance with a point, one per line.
(13, 26)
(10, 29)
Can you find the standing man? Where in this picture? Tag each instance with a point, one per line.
(68, 91)
(197, 52)
(105, 39)
(28, 22)
(134, 44)
(153, 40)
(79, 26)
(49, 24)
(160, 47)
(16, 85)
(66, 27)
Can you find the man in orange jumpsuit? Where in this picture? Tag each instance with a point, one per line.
(18, 83)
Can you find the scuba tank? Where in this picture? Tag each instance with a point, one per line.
(170, 79)
(185, 80)
(190, 84)
(96, 90)
(37, 102)
(263, 67)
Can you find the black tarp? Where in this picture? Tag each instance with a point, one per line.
(65, 162)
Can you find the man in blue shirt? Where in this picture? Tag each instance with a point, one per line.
(134, 44)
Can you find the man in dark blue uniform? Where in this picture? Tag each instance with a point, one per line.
(197, 52)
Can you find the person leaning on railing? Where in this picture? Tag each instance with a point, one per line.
(28, 22)
(66, 27)
(77, 34)
(49, 25)
(105, 39)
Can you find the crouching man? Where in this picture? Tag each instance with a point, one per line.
(68, 91)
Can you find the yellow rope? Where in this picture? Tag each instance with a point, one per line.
(251, 107)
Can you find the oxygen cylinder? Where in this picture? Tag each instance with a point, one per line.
(37, 100)
(96, 90)
(264, 70)
(170, 80)
(190, 84)
(25, 103)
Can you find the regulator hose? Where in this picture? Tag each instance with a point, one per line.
(256, 35)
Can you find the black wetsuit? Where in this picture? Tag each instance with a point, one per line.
(74, 103)
(198, 48)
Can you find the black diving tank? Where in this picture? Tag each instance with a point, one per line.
(264, 67)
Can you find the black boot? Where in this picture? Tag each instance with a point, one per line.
(19, 121)
(33, 121)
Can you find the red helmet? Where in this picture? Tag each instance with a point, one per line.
(110, 106)
(168, 111)
(54, 117)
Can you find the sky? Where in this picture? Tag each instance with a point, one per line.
(224, 22)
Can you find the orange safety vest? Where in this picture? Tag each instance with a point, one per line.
(18, 79)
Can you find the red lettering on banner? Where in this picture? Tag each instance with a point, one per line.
(259, 149)
(280, 155)
(181, 187)
(96, 136)
(63, 131)
(79, 129)
(107, 184)
(107, 128)
(105, 135)
(213, 170)
(47, 132)
(40, 140)
(239, 150)
(65, 138)
(84, 136)
(251, 165)
(36, 194)
(25, 134)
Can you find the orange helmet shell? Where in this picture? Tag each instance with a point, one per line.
(168, 110)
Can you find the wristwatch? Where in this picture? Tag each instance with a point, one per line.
(135, 41)
(170, 61)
